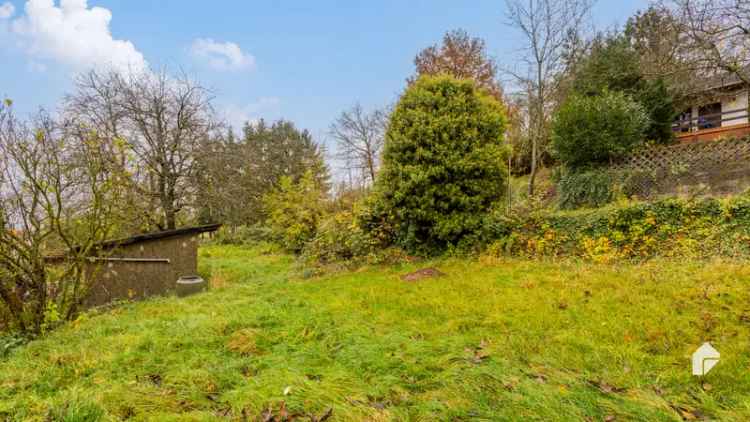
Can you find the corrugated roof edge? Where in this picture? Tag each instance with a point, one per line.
(147, 237)
(159, 235)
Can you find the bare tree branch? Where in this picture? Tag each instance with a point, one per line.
(360, 138)
(546, 26)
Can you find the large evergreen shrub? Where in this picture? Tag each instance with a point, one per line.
(590, 131)
(443, 166)
(613, 64)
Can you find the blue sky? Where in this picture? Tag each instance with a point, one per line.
(301, 60)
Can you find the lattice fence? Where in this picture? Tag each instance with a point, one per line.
(721, 166)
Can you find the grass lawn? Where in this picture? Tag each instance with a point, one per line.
(491, 340)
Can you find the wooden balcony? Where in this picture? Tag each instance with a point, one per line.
(712, 134)
(727, 124)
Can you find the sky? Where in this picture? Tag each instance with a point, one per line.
(304, 61)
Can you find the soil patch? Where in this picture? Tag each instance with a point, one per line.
(422, 274)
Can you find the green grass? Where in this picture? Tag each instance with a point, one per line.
(492, 340)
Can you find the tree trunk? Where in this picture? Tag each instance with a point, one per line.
(538, 130)
(170, 211)
(15, 307)
(40, 283)
(371, 167)
(532, 174)
(170, 219)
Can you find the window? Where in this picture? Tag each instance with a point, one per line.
(709, 116)
(684, 121)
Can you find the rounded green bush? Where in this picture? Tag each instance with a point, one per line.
(592, 130)
(443, 165)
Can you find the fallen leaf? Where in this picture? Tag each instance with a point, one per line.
(687, 415)
(686, 412)
(605, 387)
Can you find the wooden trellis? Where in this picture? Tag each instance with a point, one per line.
(662, 169)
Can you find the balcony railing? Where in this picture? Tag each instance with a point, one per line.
(710, 121)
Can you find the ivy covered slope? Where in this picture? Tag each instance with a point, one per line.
(700, 228)
(493, 339)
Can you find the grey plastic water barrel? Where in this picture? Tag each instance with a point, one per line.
(190, 284)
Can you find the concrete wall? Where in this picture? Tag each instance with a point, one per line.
(737, 101)
(117, 280)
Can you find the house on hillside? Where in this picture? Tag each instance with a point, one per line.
(141, 266)
(720, 110)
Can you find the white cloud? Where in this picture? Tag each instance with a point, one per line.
(74, 34)
(7, 10)
(236, 116)
(221, 55)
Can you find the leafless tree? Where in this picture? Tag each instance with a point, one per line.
(360, 137)
(717, 33)
(546, 25)
(162, 119)
(221, 182)
(53, 196)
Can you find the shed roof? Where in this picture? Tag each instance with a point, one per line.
(146, 237)
(159, 235)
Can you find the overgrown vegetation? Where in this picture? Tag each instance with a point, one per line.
(593, 188)
(58, 192)
(294, 210)
(493, 339)
(601, 333)
(701, 228)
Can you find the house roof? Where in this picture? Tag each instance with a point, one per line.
(146, 237)
(723, 80)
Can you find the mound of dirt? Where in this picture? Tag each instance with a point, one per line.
(422, 274)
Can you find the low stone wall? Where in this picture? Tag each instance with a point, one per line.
(717, 167)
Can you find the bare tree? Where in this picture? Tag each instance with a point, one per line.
(360, 138)
(461, 56)
(52, 197)
(717, 33)
(222, 186)
(162, 119)
(546, 25)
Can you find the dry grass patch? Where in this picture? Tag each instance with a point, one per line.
(244, 342)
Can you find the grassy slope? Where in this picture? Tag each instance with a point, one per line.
(491, 341)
